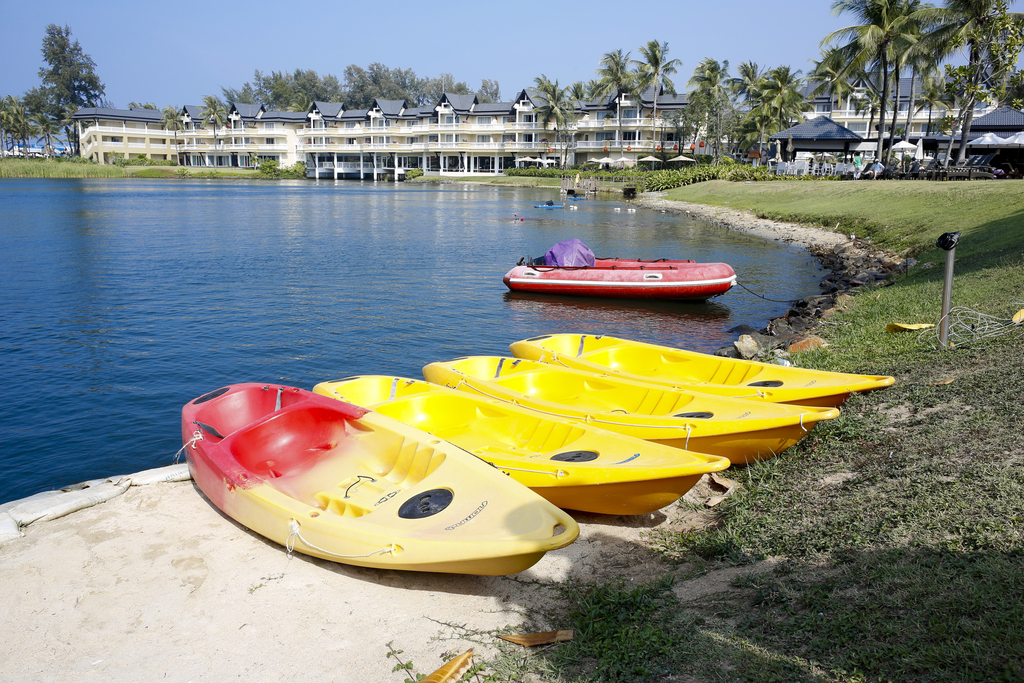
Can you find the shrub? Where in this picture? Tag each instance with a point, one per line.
(413, 173)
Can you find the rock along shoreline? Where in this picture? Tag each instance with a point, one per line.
(852, 264)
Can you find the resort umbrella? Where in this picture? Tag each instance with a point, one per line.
(903, 146)
(988, 140)
(919, 149)
(649, 158)
(1015, 140)
(622, 160)
(604, 160)
(681, 158)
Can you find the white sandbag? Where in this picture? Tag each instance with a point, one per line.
(43, 509)
(8, 528)
(161, 474)
(4, 507)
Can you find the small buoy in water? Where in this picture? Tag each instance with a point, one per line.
(630, 210)
(616, 209)
(573, 208)
(523, 219)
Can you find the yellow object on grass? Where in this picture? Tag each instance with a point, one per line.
(672, 367)
(571, 464)
(910, 327)
(738, 429)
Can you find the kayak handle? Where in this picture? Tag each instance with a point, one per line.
(207, 428)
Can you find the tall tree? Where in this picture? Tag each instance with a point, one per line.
(886, 27)
(616, 77)
(69, 78)
(711, 78)
(781, 97)
(170, 120)
(556, 106)
(990, 37)
(215, 113)
(489, 91)
(655, 71)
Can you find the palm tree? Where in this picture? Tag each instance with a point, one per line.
(143, 105)
(6, 122)
(782, 96)
(170, 120)
(557, 106)
(615, 77)
(45, 126)
(654, 72)
(747, 86)
(711, 78)
(959, 23)
(888, 28)
(214, 111)
(933, 95)
(578, 91)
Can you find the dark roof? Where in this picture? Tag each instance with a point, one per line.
(247, 111)
(194, 111)
(285, 116)
(353, 115)
(329, 110)
(821, 128)
(389, 107)
(142, 115)
(462, 104)
(1002, 119)
(493, 108)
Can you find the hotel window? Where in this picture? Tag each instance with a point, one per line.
(527, 118)
(246, 141)
(629, 135)
(823, 108)
(350, 141)
(510, 119)
(268, 126)
(431, 138)
(367, 140)
(350, 124)
(269, 141)
(483, 138)
(527, 137)
(509, 138)
(410, 124)
(449, 119)
(450, 138)
(629, 113)
(484, 120)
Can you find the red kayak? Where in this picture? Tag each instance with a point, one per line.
(626, 279)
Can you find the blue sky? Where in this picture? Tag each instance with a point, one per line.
(175, 53)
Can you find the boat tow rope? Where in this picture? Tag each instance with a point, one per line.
(761, 296)
(587, 418)
(197, 436)
(294, 532)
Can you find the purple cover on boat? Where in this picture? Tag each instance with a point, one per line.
(569, 253)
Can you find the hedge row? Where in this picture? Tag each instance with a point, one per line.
(657, 181)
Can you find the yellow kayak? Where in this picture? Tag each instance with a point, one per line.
(700, 371)
(743, 431)
(571, 464)
(341, 483)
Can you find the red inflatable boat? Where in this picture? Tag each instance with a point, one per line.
(626, 279)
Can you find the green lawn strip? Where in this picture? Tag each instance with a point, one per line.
(51, 168)
(897, 215)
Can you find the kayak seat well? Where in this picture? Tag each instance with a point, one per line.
(230, 413)
(289, 443)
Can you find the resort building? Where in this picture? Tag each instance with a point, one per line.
(104, 133)
(457, 135)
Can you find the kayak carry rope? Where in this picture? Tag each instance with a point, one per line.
(588, 418)
(293, 529)
(557, 475)
(277, 406)
(394, 388)
(197, 436)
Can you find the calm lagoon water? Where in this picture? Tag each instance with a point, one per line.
(122, 300)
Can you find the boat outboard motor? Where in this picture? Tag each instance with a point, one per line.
(549, 203)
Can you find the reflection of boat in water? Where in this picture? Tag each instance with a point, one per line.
(697, 325)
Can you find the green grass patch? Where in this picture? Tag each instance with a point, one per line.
(52, 168)
(901, 215)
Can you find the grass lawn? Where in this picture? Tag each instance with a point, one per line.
(889, 544)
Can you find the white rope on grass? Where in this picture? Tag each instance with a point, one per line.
(966, 325)
(294, 532)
